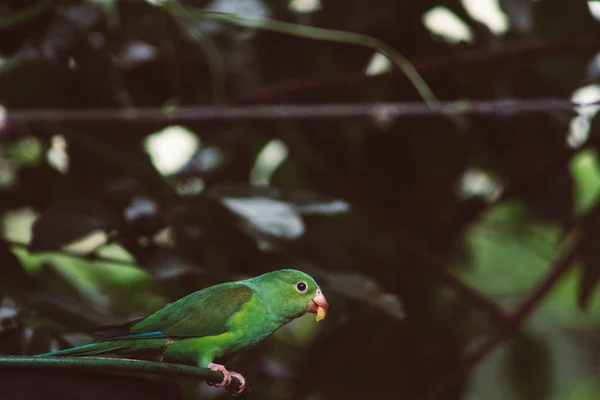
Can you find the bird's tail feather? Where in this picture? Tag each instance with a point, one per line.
(85, 350)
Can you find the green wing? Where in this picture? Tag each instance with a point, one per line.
(203, 313)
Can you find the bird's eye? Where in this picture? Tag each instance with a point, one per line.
(301, 287)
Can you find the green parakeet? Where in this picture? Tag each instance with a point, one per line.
(214, 322)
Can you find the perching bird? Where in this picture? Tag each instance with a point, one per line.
(214, 321)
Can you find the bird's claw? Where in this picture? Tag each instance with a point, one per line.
(242, 386)
(226, 376)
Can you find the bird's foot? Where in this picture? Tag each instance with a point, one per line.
(242, 386)
(226, 375)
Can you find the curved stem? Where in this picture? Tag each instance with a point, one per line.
(312, 32)
(211, 51)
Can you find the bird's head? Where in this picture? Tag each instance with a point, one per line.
(293, 293)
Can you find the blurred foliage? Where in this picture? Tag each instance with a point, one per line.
(109, 221)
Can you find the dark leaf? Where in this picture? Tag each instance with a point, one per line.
(531, 152)
(528, 367)
(590, 257)
(11, 329)
(12, 341)
(60, 225)
(97, 74)
(8, 315)
(55, 282)
(325, 207)
(575, 18)
(32, 80)
(102, 159)
(303, 201)
(69, 311)
(40, 340)
(13, 277)
(590, 275)
(520, 13)
(267, 216)
(23, 21)
(360, 287)
(66, 30)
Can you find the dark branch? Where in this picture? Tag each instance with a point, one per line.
(511, 324)
(157, 115)
(118, 365)
(521, 52)
(436, 266)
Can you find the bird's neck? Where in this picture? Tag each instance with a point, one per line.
(278, 313)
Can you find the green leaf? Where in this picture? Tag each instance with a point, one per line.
(586, 173)
(267, 216)
(362, 288)
(508, 252)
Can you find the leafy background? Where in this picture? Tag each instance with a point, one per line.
(425, 234)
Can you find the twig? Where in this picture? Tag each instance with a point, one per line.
(286, 111)
(313, 32)
(522, 52)
(435, 265)
(117, 365)
(517, 188)
(512, 323)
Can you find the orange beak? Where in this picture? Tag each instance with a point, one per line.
(318, 305)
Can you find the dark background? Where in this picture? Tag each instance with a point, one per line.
(433, 238)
